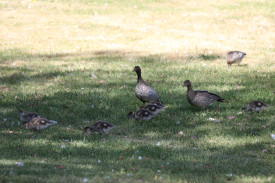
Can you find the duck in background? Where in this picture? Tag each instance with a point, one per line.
(234, 57)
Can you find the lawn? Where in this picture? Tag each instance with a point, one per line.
(71, 61)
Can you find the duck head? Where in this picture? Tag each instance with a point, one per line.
(21, 112)
(131, 114)
(136, 69)
(187, 83)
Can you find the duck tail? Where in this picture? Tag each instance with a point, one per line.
(221, 100)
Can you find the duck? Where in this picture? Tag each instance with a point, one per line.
(141, 114)
(29, 116)
(201, 99)
(144, 92)
(99, 126)
(234, 57)
(38, 123)
(255, 106)
(155, 109)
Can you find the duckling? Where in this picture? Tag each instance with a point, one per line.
(38, 123)
(99, 126)
(234, 57)
(155, 109)
(144, 92)
(255, 106)
(28, 117)
(141, 114)
(200, 98)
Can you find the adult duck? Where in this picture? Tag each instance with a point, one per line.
(144, 92)
(234, 57)
(200, 98)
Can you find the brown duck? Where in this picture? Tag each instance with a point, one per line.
(200, 98)
(144, 92)
(234, 57)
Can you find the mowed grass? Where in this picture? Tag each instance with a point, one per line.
(72, 62)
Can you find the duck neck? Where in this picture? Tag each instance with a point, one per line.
(22, 115)
(191, 94)
(138, 75)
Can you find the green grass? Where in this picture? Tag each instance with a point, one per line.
(47, 66)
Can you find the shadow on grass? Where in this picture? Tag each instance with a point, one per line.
(115, 105)
(208, 57)
(111, 102)
(201, 162)
(20, 76)
(205, 57)
(116, 55)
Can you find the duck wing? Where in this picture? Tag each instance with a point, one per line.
(28, 117)
(234, 55)
(144, 113)
(145, 92)
(257, 103)
(160, 104)
(152, 108)
(103, 124)
(40, 121)
(207, 95)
